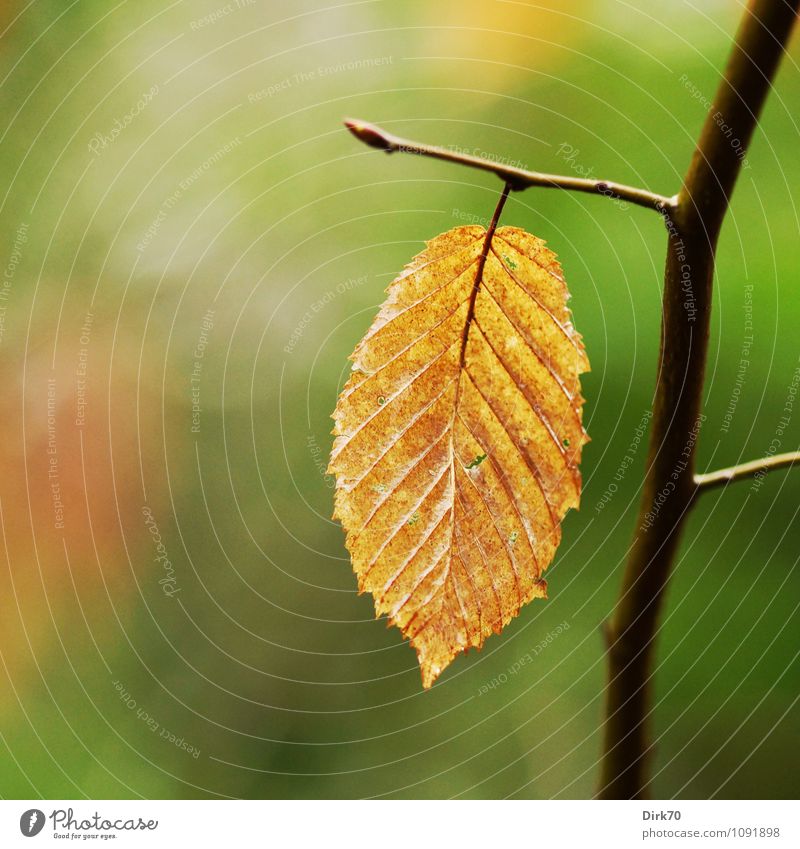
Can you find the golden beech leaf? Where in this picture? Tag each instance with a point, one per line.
(458, 439)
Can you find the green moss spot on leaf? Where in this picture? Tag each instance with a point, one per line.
(477, 461)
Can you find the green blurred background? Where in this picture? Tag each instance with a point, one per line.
(186, 225)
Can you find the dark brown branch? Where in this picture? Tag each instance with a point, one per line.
(754, 468)
(517, 178)
(669, 486)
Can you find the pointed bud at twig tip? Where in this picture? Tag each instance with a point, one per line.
(368, 133)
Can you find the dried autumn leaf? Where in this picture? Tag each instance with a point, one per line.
(458, 439)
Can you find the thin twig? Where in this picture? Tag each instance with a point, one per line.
(517, 178)
(745, 470)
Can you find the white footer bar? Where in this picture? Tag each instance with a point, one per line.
(401, 824)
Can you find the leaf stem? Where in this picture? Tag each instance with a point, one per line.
(517, 178)
(754, 468)
(487, 245)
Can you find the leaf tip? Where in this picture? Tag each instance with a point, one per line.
(430, 672)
